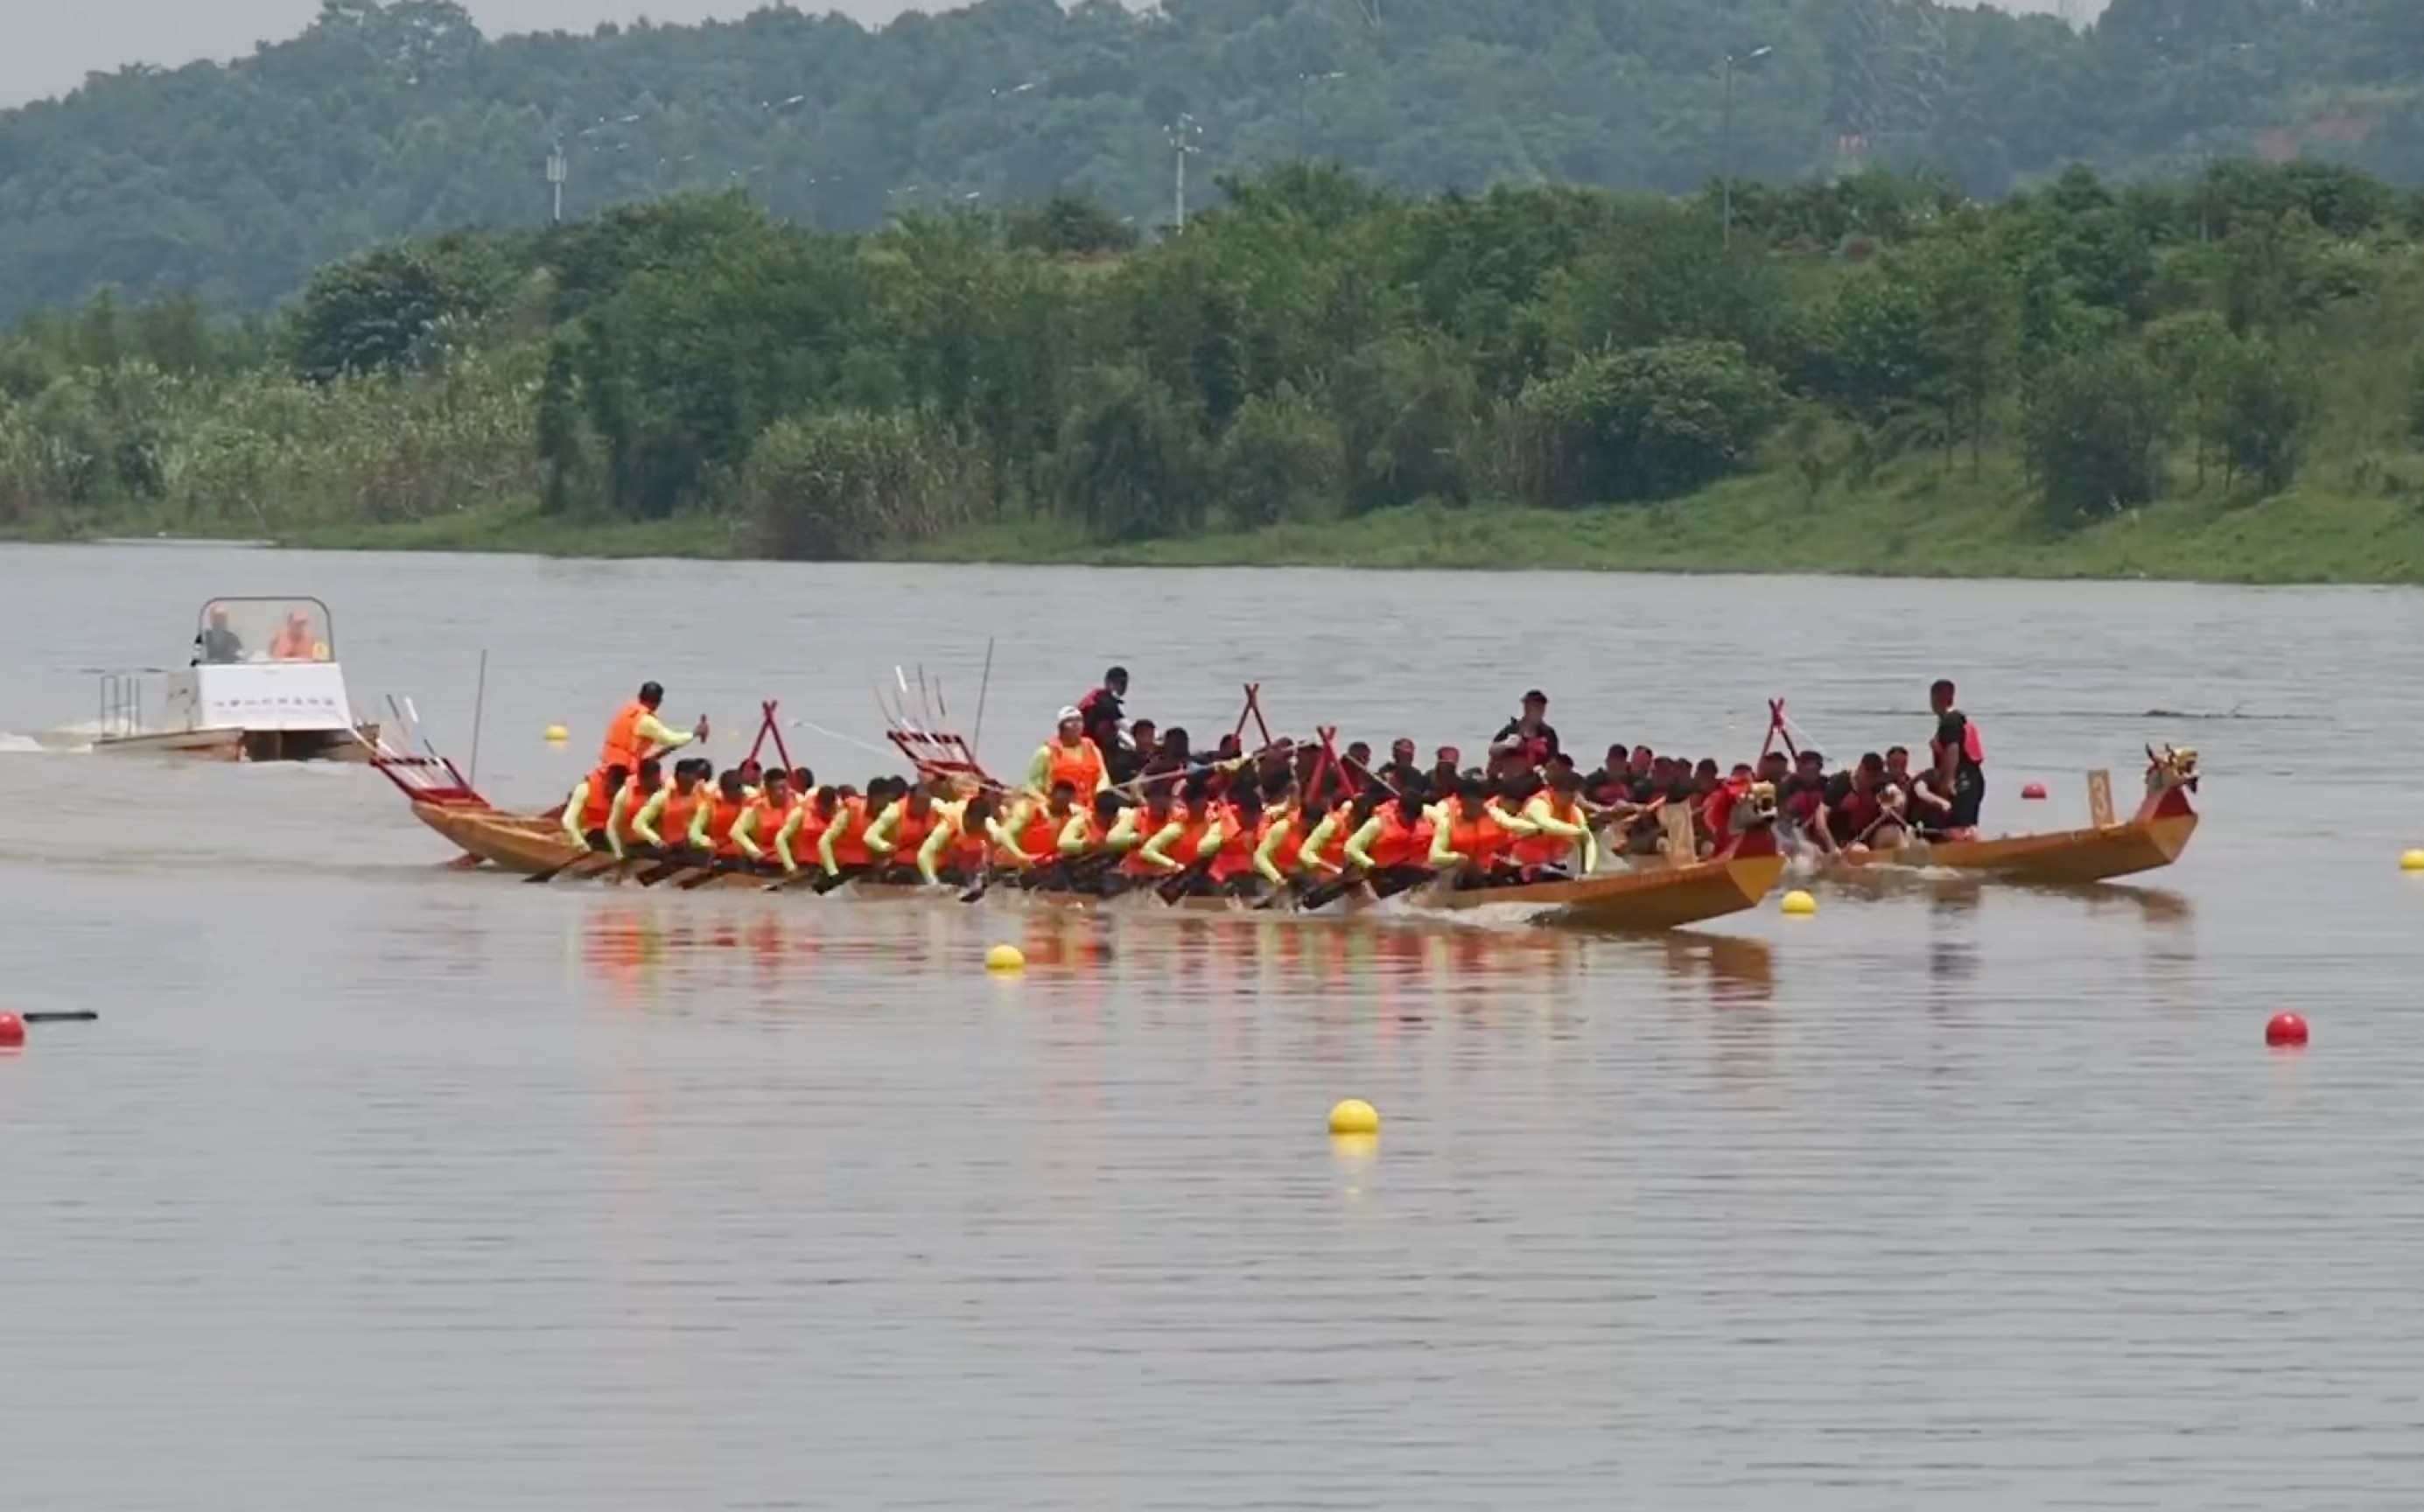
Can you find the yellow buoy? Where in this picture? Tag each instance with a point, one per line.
(2412, 861)
(1355, 1117)
(557, 735)
(1798, 903)
(1005, 958)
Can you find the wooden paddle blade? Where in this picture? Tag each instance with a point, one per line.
(81, 1015)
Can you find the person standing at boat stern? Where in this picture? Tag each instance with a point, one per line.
(636, 732)
(1960, 757)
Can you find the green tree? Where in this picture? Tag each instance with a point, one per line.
(1131, 460)
(1280, 461)
(2093, 434)
(1645, 425)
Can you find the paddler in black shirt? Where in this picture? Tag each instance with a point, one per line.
(1959, 754)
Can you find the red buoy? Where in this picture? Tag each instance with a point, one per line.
(2284, 1029)
(13, 1031)
(2033, 791)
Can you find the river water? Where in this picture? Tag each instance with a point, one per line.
(388, 1187)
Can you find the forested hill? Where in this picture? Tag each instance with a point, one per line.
(396, 120)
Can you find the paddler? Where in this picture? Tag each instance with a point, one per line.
(1087, 859)
(714, 821)
(1069, 758)
(1468, 838)
(970, 836)
(670, 808)
(1279, 844)
(1959, 756)
(1147, 835)
(636, 732)
(1324, 853)
(762, 824)
(1561, 836)
(1226, 851)
(842, 849)
(1852, 811)
(1393, 847)
(801, 836)
(900, 831)
(591, 806)
(629, 800)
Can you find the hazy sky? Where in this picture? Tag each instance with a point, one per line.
(51, 47)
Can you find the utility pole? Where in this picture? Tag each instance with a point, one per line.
(557, 171)
(1726, 167)
(1184, 136)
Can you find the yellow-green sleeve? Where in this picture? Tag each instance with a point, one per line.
(1272, 839)
(699, 821)
(644, 823)
(791, 825)
(744, 833)
(572, 807)
(1156, 852)
(1359, 845)
(1215, 834)
(616, 812)
(1544, 822)
(654, 731)
(929, 855)
(1442, 852)
(1072, 836)
(1124, 835)
(1039, 771)
(878, 835)
(1006, 838)
(1308, 854)
(1519, 825)
(826, 842)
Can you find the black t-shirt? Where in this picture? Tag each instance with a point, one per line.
(1952, 734)
(1545, 732)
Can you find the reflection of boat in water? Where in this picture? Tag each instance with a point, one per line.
(2151, 839)
(264, 686)
(1655, 896)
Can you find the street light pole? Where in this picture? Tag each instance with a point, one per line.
(1726, 165)
(1182, 133)
(1305, 82)
(557, 171)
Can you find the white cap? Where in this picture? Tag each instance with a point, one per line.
(1071, 712)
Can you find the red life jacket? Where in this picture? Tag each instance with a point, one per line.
(723, 812)
(1544, 848)
(1235, 856)
(598, 805)
(1480, 839)
(849, 826)
(1291, 846)
(1134, 864)
(673, 820)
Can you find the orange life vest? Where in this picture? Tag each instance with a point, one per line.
(1040, 836)
(848, 827)
(633, 799)
(771, 816)
(722, 814)
(598, 805)
(1080, 765)
(1480, 840)
(1291, 846)
(1401, 844)
(909, 830)
(624, 748)
(970, 842)
(1134, 864)
(673, 820)
(1334, 849)
(1546, 850)
(1235, 856)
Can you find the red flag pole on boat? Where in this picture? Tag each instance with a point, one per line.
(1778, 730)
(769, 728)
(1254, 711)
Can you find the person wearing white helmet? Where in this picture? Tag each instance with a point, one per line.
(1069, 756)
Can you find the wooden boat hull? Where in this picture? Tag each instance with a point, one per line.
(1647, 897)
(2152, 839)
(246, 745)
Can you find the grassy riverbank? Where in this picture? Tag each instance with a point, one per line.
(1924, 523)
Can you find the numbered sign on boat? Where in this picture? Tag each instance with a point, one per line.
(262, 684)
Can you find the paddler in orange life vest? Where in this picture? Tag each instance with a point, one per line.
(1469, 839)
(1392, 849)
(1960, 762)
(715, 818)
(1069, 758)
(1084, 846)
(629, 800)
(591, 808)
(802, 840)
(766, 816)
(670, 809)
(636, 732)
(900, 831)
(1561, 838)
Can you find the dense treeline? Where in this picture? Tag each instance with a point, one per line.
(399, 120)
(1312, 348)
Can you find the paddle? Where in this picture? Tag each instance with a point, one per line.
(80, 1016)
(587, 864)
(1330, 892)
(714, 869)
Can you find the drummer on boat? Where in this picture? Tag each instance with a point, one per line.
(1959, 762)
(636, 732)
